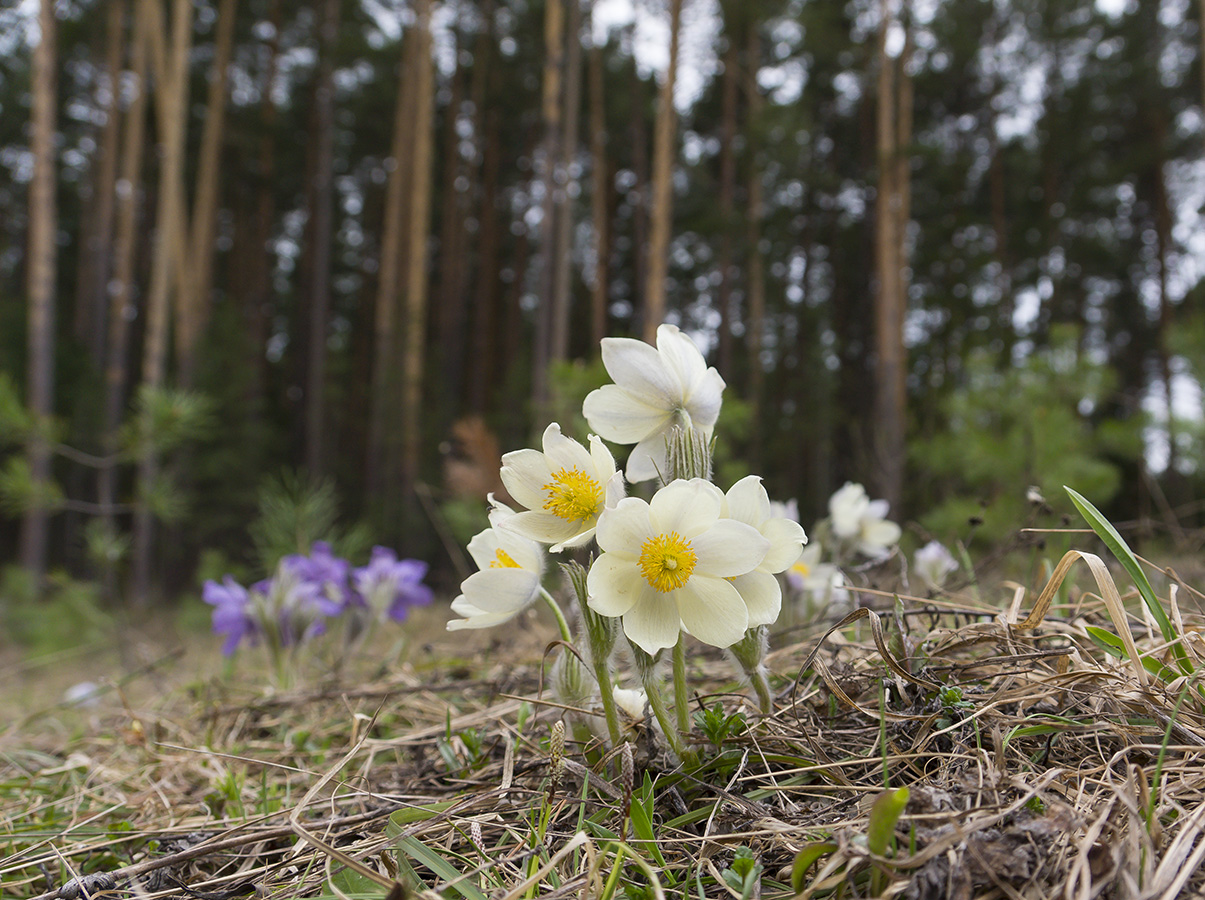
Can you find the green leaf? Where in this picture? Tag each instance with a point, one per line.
(1119, 548)
(886, 811)
(804, 860)
(424, 855)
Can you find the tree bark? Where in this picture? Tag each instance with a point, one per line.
(599, 195)
(193, 301)
(756, 320)
(728, 103)
(891, 215)
(549, 160)
(415, 308)
(172, 105)
(663, 186)
(40, 283)
(320, 249)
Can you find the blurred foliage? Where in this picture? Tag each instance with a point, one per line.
(67, 614)
(295, 510)
(1007, 428)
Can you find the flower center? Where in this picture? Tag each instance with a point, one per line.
(503, 560)
(666, 561)
(573, 495)
(801, 569)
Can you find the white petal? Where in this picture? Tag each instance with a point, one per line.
(881, 533)
(680, 356)
(846, 508)
(527, 553)
(501, 589)
(601, 459)
(614, 490)
(786, 542)
(640, 370)
(476, 619)
(687, 507)
(762, 595)
(712, 610)
(705, 399)
(524, 473)
(564, 452)
(729, 548)
(540, 526)
(647, 459)
(614, 585)
(623, 528)
(617, 415)
(877, 509)
(653, 623)
(748, 501)
(483, 548)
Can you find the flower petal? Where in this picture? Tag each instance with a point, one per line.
(748, 501)
(624, 527)
(653, 623)
(729, 548)
(762, 595)
(501, 589)
(687, 507)
(617, 415)
(882, 534)
(648, 459)
(540, 526)
(564, 452)
(614, 585)
(712, 611)
(786, 542)
(524, 473)
(640, 370)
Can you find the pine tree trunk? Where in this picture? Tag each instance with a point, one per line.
(452, 264)
(415, 306)
(122, 308)
(571, 99)
(891, 212)
(549, 160)
(485, 327)
(728, 101)
(320, 246)
(756, 321)
(663, 186)
(40, 283)
(599, 194)
(194, 300)
(91, 297)
(172, 97)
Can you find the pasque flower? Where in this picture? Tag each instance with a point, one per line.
(665, 567)
(862, 522)
(933, 563)
(654, 389)
(823, 582)
(564, 489)
(389, 587)
(509, 577)
(233, 614)
(748, 502)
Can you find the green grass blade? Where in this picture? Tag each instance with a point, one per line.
(421, 853)
(1119, 548)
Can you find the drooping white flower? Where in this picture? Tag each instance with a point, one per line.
(932, 564)
(666, 563)
(564, 489)
(654, 389)
(509, 577)
(822, 583)
(862, 522)
(748, 502)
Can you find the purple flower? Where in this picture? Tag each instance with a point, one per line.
(327, 573)
(232, 613)
(302, 594)
(389, 586)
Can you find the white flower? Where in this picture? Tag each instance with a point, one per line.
(932, 563)
(748, 502)
(822, 582)
(665, 567)
(654, 389)
(564, 489)
(862, 522)
(509, 579)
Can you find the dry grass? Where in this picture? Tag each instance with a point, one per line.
(1037, 765)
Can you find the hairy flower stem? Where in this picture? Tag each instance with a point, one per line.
(600, 640)
(566, 631)
(681, 691)
(749, 653)
(646, 667)
(688, 453)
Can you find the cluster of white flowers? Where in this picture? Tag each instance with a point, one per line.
(692, 559)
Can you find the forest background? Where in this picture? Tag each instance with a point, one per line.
(259, 259)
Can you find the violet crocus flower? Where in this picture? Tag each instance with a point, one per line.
(389, 587)
(326, 572)
(232, 613)
(304, 592)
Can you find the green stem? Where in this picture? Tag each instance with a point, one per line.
(761, 686)
(681, 695)
(602, 674)
(566, 633)
(657, 702)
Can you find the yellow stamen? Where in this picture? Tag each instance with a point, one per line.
(802, 569)
(503, 560)
(666, 561)
(573, 495)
